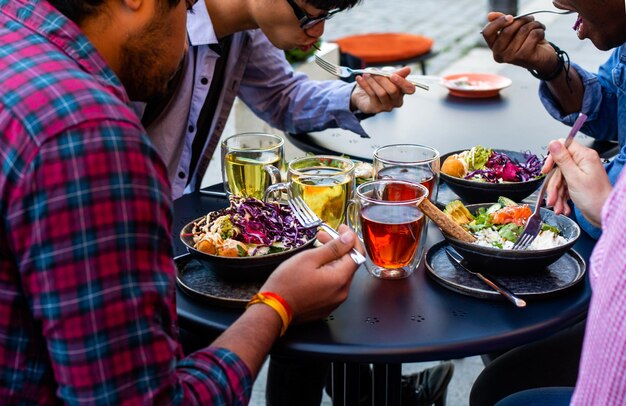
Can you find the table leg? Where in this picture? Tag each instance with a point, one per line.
(346, 384)
(387, 386)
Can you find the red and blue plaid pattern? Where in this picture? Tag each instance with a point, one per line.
(87, 311)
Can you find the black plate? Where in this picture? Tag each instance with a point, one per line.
(197, 278)
(502, 261)
(471, 191)
(256, 268)
(563, 274)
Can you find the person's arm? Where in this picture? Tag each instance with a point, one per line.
(522, 42)
(292, 102)
(313, 283)
(580, 177)
(95, 253)
(603, 358)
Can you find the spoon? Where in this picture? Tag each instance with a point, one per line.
(562, 12)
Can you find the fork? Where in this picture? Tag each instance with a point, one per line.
(533, 224)
(308, 218)
(345, 72)
(562, 12)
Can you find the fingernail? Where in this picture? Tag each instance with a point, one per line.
(347, 238)
(556, 147)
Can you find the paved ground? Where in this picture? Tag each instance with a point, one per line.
(454, 26)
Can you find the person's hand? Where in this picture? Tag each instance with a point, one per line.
(580, 176)
(375, 93)
(520, 42)
(316, 281)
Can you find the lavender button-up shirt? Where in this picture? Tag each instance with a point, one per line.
(258, 73)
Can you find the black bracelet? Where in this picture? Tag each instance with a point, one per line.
(564, 63)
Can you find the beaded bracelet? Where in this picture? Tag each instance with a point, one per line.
(564, 63)
(277, 303)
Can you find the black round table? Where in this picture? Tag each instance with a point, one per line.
(387, 322)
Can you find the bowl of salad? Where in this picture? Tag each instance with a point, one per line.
(497, 226)
(248, 239)
(479, 174)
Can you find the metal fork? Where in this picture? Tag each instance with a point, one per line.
(533, 224)
(345, 72)
(308, 218)
(562, 12)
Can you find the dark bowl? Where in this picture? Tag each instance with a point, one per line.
(249, 269)
(472, 191)
(503, 261)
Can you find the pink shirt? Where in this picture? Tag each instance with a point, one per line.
(602, 375)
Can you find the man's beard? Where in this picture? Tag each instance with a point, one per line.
(140, 62)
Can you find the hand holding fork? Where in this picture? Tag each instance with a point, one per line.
(345, 72)
(533, 224)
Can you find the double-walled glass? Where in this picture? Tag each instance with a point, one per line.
(412, 162)
(386, 216)
(251, 162)
(324, 182)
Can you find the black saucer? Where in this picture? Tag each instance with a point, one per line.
(197, 278)
(566, 272)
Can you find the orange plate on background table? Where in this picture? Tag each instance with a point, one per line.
(480, 85)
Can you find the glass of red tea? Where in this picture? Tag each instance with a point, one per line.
(412, 162)
(385, 214)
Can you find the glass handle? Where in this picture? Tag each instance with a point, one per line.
(352, 218)
(274, 174)
(275, 180)
(275, 190)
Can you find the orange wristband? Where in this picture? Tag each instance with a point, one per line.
(277, 303)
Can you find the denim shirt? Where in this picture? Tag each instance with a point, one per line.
(604, 102)
(256, 72)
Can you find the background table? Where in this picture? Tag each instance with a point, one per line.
(515, 120)
(390, 322)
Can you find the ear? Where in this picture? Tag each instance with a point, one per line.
(133, 5)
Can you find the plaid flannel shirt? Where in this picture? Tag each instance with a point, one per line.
(87, 298)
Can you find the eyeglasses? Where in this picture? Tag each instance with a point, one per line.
(307, 22)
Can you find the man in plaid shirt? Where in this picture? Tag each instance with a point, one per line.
(86, 272)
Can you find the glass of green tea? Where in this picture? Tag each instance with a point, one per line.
(251, 162)
(324, 182)
(389, 225)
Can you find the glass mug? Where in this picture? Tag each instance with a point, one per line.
(390, 225)
(325, 183)
(251, 162)
(412, 162)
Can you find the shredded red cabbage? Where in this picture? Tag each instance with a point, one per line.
(501, 168)
(264, 223)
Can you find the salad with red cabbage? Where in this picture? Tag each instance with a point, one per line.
(486, 165)
(250, 227)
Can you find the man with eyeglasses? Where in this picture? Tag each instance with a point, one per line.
(236, 50)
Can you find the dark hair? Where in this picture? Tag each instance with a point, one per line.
(79, 10)
(333, 4)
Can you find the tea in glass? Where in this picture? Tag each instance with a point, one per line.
(251, 162)
(325, 184)
(390, 226)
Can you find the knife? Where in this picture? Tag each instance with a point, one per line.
(457, 258)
